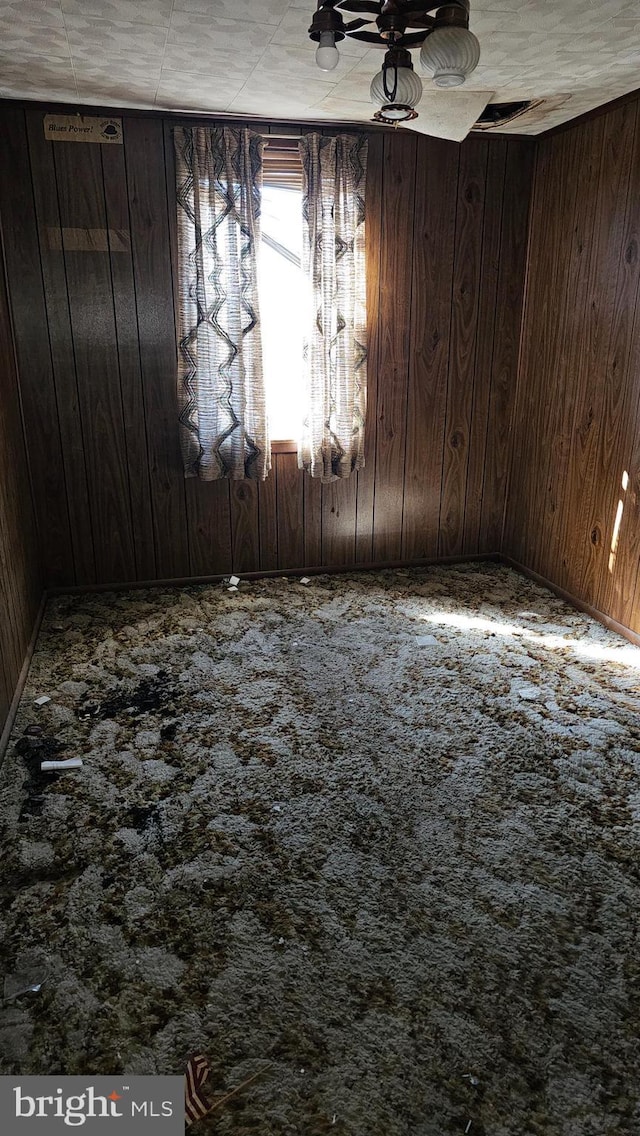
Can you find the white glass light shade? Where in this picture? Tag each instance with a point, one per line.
(327, 54)
(408, 90)
(450, 54)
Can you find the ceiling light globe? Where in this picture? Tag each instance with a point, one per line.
(408, 90)
(327, 54)
(450, 55)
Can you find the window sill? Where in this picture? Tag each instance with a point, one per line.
(286, 447)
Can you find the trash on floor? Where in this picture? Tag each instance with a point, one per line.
(196, 1103)
(29, 976)
(42, 700)
(70, 763)
(305, 580)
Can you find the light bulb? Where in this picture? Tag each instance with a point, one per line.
(327, 54)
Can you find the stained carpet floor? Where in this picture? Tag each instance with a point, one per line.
(382, 831)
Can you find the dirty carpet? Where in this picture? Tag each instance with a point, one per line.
(381, 831)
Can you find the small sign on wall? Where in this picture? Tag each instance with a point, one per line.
(81, 128)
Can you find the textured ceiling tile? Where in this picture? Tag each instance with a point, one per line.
(33, 70)
(299, 63)
(179, 91)
(189, 29)
(47, 13)
(120, 72)
(262, 92)
(266, 12)
(88, 34)
(212, 62)
(142, 12)
(19, 36)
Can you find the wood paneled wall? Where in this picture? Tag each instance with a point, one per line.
(89, 261)
(574, 499)
(20, 587)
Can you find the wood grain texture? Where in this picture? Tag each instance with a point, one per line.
(98, 363)
(464, 326)
(95, 349)
(574, 500)
(128, 346)
(20, 585)
(148, 207)
(436, 192)
(31, 330)
(290, 500)
(398, 190)
(506, 344)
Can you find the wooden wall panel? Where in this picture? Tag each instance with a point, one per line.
(506, 343)
(145, 157)
(34, 351)
(95, 326)
(20, 586)
(464, 330)
(577, 421)
(398, 195)
(433, 255)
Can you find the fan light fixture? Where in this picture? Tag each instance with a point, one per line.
(449, 51)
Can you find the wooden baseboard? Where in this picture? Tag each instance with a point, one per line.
(606, 620)
(324, 570)
(22, 678)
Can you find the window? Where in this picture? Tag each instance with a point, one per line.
(282, 288)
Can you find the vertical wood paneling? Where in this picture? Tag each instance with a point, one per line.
(580, 363)
(290, 511)
(209, 514)
(398, 188)
(27, 299)
(312, 504)
(128, 346)
(20, 586)
(98, 365)
(484, 360)
(156, 328)
(339, 522)
(605, 393)
(542, 432)
(245, 532)
(506, 342)
(366, 476)
(91, 314)
(268, 520)
(62, 347)
(562, 555)
(464, 317)
(433, 254)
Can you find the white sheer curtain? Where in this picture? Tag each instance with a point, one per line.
(223, 421)
(334, 178)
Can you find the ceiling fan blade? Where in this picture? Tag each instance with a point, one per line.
(449, 114)
(359, 6)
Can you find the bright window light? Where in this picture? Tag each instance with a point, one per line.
(283, 296)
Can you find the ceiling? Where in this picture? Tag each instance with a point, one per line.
(254, 57)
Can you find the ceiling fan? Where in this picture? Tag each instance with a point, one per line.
(449, 52)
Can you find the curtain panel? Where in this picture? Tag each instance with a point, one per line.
(223, 421)
(334, 178)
